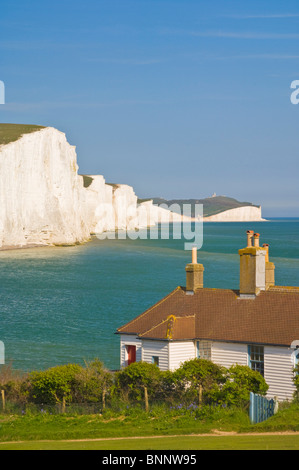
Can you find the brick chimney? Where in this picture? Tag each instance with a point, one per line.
(252, 266)
(270, 269)
(194, 273)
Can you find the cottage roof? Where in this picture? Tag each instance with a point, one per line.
(272, 317)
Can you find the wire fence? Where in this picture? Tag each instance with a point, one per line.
(111, 404)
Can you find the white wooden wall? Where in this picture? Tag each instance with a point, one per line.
(126, 340)
(171, 354)
(227, 354)
(278, 372)
(179, 352)
(155, 348)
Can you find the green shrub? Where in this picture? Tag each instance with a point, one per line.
(172, 390)
(199, 379)
(241, 381)
(131, 381)
(54, 384)
(296, 382)
(91, 384)
(12, 382)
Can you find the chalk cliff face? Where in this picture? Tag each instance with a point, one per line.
(43, 200)
(40, 191)
(110, 207)
(239, 214)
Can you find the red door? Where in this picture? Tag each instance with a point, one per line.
(131, 354)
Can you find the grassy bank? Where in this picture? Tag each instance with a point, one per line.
(136, 422)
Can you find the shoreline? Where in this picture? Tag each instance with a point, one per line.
(25, 247)
(21, 247)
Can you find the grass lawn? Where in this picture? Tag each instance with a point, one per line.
(225, 429)
(236, 442)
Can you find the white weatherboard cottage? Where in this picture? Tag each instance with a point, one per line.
(256, 325)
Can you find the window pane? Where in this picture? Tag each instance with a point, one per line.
(257, 358)
(155, 360)
(204, 350)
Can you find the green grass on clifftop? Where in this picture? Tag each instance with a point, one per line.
(12, 132)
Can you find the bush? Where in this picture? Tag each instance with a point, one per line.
(54, 384)
(296, 382)
(199, 379)
(72, 382)
(12, 382)
(91, 384)
(241, 381)
(131, 381)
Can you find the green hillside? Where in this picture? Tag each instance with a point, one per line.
(211, 205)
(12, 132)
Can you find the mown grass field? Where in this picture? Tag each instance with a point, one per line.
(200, 442)
(226, 430)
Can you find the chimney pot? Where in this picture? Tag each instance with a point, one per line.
(194, 255)
(249, 237)
(256, 239)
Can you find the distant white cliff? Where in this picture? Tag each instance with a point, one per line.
(238, 214)
(44, 201)
(111, 207)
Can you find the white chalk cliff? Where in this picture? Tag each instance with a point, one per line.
(44, 201)
(238, 214)
(40, 191)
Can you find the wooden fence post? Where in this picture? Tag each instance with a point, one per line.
(104, 398)
(63, 405)
(3, 399)
(146, 398)
(199, 394)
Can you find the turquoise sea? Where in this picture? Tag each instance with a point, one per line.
(63, 305)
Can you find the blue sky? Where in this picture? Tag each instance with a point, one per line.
(178, 98)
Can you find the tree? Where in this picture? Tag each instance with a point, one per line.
(200, 378)
(92, 383)
(137, 380)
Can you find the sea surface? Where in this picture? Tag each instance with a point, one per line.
(63, 305)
